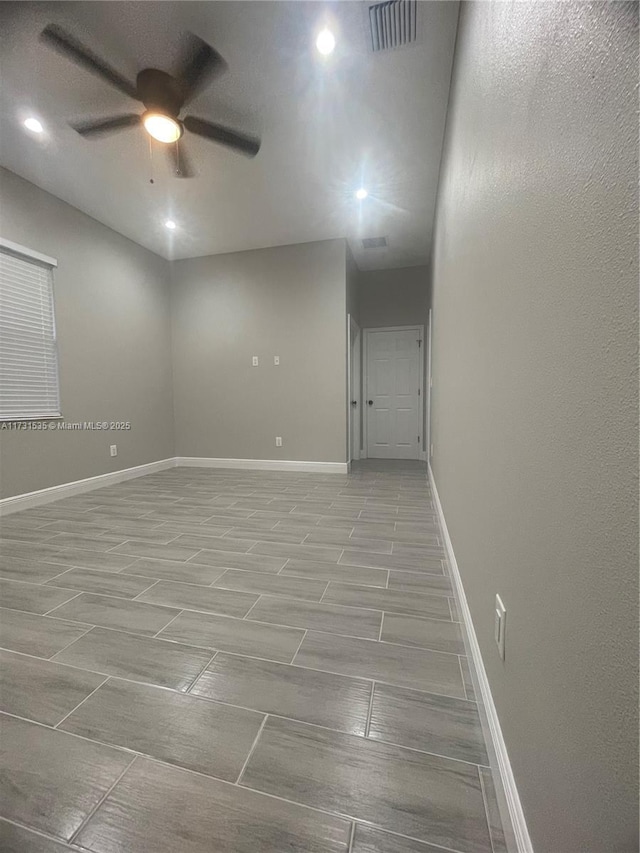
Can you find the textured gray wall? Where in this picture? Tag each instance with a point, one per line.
(535, 396)
(288, 301)
(397, 297)
(112, 306)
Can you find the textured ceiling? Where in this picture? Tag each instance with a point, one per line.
(328, 125)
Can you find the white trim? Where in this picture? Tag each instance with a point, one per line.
(365, 383)
(17, 249)
(65, 490)
(262, 464)
(427, 386)
(353, 337)
(423, 456)
(508, 798)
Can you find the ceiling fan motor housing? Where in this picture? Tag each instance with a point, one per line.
(160, 92)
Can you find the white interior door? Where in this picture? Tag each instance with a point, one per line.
(393, 393)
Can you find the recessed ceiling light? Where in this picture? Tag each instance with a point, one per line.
(325, 42)
(34, 125)
(361, 194)
(161, 127)
(170, 224)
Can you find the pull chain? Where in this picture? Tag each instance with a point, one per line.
(151, 180)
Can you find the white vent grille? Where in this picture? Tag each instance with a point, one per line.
(392, 24)
(374, 242)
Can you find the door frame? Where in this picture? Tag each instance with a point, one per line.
(354, 390)
(419, 328)
(429, 386)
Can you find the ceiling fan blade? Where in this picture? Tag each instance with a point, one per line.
(199, 63)
(74, 50)
(242, 142)
(180, 163)
(106, 125)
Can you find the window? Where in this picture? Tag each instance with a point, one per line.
(28, 356)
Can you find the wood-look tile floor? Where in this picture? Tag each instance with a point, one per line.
(217, 661)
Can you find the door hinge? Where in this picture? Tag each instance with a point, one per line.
(418, 439)
(418, 392)
(419, 342)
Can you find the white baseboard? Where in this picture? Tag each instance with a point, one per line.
(28, 500)
(262, 464)
(65, 490)
(509, 798)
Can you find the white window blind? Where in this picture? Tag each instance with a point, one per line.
(28, 356)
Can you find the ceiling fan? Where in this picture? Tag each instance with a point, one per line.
(163, 95)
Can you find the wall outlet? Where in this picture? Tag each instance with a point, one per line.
(276, 359)
(113, 450)
(254, 361)
(278, 441)
(500, 625)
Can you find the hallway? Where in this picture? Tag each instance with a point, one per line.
(269, 660)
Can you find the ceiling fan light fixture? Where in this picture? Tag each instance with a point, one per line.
(162, 127)
(33, 125)
(325, 42)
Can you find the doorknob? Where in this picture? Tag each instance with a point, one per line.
(354, 402)
(370, 402)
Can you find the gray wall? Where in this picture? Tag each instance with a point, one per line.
(112, 314)
(398, 297)
(535, 282)
(288, 301)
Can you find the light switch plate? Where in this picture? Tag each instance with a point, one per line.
(278, 441)
(113, 449)
(254, 361)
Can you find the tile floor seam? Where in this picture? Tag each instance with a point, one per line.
(464, 685)
(142, 592)
(306, 631)
(81, 703)
(486, 810)
(257, 601)
(352, 836)
(253, 746)
(188, 691)
(73, 598)
(280, 571)
(367, 725)
(75, 640)
(91, 813)
(164, 627)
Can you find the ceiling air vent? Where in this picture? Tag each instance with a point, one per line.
(392, 24)
(374, 242)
